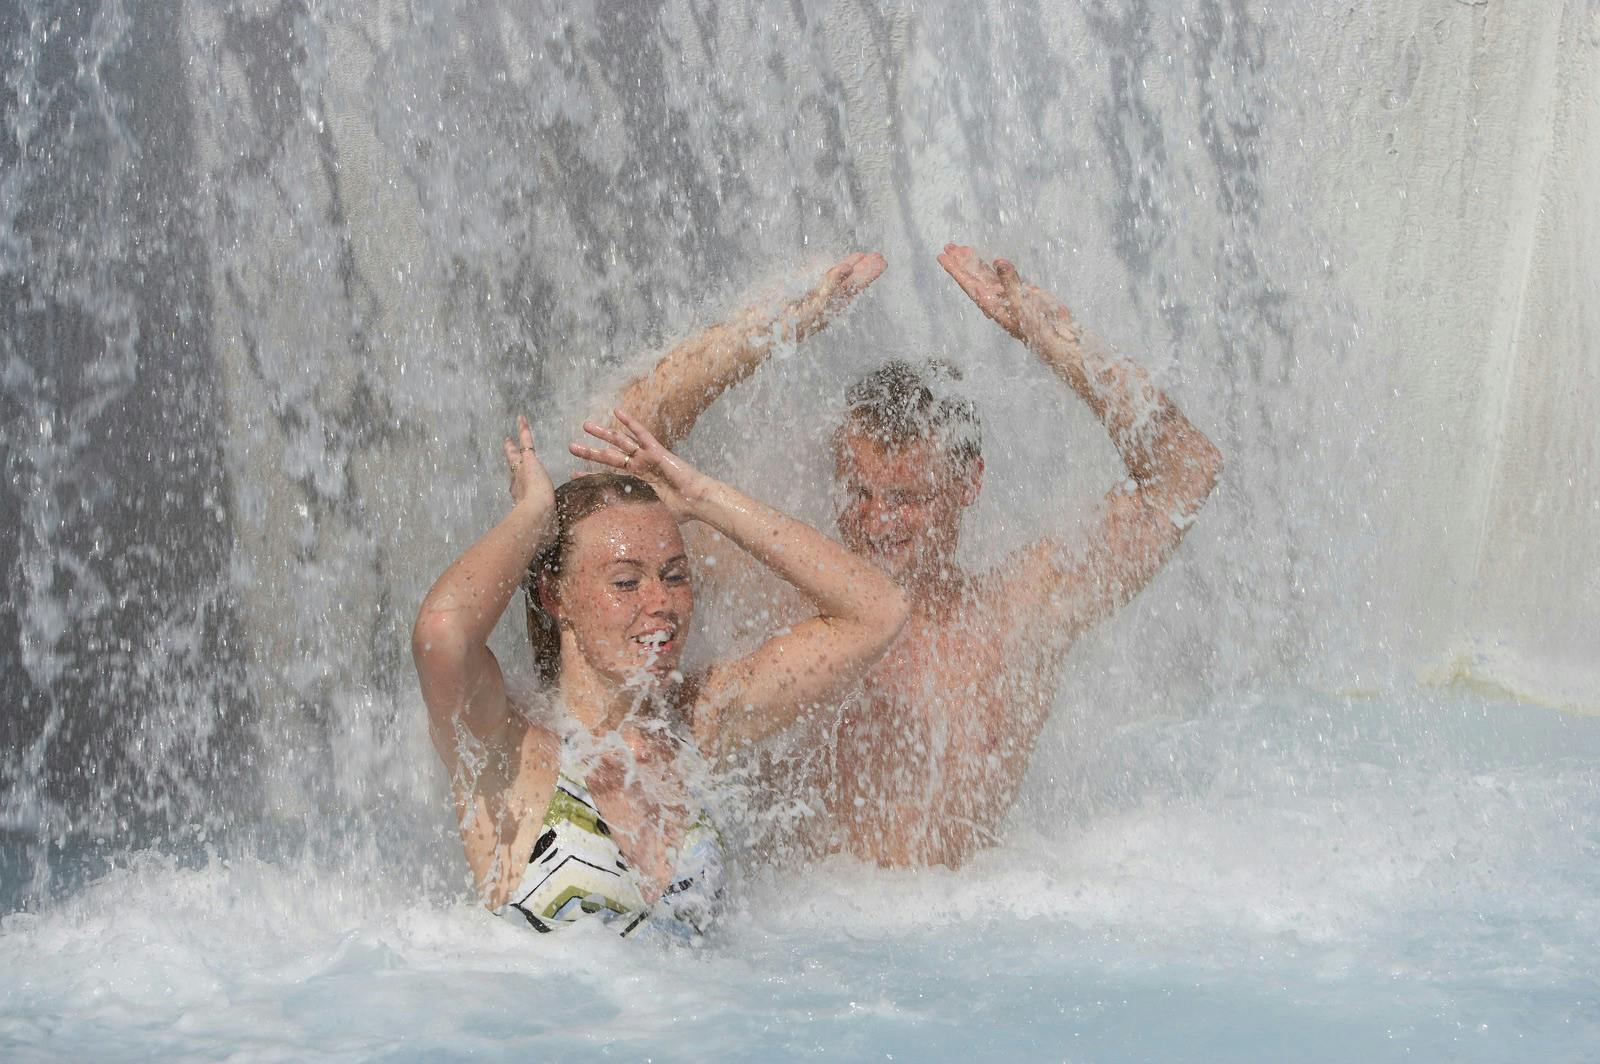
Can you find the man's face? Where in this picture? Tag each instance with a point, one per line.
(902, 506)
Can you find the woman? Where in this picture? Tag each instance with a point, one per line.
(585, 805)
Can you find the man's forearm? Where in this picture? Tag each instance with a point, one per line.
(672, 396)
(1156, 441)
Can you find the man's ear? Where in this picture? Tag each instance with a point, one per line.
(972, 482)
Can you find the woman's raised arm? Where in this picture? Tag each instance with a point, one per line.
(461, 681)
(859, 609)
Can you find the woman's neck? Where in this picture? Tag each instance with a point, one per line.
(592, 700)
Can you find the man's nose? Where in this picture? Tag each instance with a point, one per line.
(884, 514)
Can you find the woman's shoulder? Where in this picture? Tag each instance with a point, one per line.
(538, 717)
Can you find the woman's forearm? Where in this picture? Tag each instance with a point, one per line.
(841, 585)
(859, 613)
(473, 593)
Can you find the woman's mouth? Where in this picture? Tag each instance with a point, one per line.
(657, 642)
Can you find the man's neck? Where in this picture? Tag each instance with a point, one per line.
(937, 591)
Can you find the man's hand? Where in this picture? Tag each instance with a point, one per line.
(838, 287)
(1026, 311)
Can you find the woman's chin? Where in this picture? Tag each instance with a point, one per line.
(652, 674)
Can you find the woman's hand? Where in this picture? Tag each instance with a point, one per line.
(529, 481)
(633, 450)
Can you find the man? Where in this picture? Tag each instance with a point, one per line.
(926, 763)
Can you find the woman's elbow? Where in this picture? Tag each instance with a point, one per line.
(893, 610)
(436, 637)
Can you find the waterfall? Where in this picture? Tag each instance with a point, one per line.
(280, 274)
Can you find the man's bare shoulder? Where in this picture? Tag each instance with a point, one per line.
(1029, 602)
(952, 641)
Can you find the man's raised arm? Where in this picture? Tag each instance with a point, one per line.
(1171, 464)
(672, 396)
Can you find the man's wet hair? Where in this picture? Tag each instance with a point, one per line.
(901, 403)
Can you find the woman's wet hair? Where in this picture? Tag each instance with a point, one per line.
(575, 500)
(902, 403)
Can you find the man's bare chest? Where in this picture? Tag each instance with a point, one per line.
(934, 688)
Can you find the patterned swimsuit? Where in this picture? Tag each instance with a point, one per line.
(577, 872)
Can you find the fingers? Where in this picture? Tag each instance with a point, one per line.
(623, 441)
(636, 427)
(847, 265)
(957, 262)
(964, 277)
(835, 276)
(967, 260)
(963, 257)
(624, 444)
(522, 445)
(868, 268)
(1010, 283)
(852, 275)
(600, 456)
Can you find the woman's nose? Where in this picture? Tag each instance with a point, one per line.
(657, 598)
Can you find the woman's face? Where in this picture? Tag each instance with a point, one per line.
(626, 592)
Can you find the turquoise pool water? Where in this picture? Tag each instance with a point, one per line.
(1291, 879)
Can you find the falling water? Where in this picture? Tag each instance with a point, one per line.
(280, 275)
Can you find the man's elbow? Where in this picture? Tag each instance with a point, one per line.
(1195, 478)
(878, 623)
